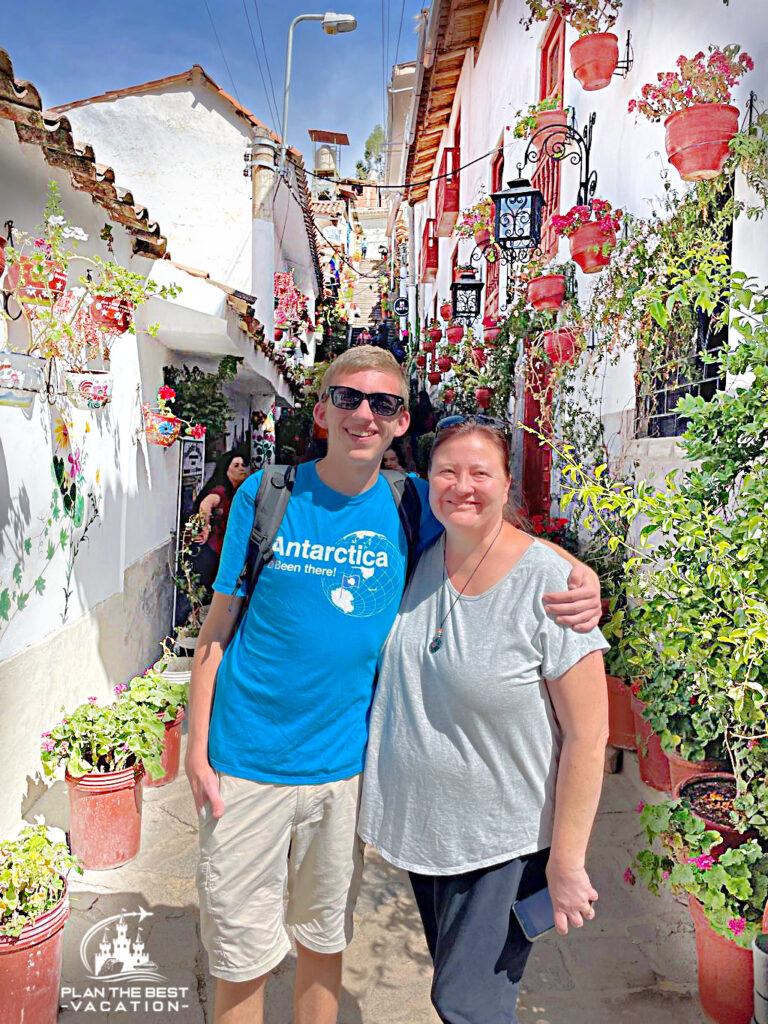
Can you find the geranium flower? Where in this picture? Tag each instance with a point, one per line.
(120, 688)
(45, 735)
(166, 393)
(93, 700)
(704, 862)
(48, 746)
(198, 431)
(640, 806)
(629, 877)
(737, 925)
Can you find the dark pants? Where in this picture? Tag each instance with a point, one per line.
(477, 946)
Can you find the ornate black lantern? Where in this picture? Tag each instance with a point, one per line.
(517, 227)
(465, 295)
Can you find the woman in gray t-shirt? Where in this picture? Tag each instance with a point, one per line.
(485, 757)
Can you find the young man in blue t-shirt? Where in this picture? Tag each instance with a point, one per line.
(275, 760)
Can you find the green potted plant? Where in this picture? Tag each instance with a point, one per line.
(33, 911)
(694, 101)
(476, 222)
(105, 751)
(167, 699)
(547, 113)
(595, 54)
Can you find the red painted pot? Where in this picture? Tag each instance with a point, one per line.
(434, 377)
(278, 333)
(680, 770)
(697, 139)
(171, 752)
(105, 817)
(444, 363)
(621, 720)
(561, 345)
(160, 429)
(40, 282)
(726, 977)
(482, 237)
(653, 763)
(478, 356)
(455, 334)
(464, 275)
(588, 247)
(594, 58)
(30, 968)
(435, 334)
(446, 311)
(428, 345)
(483, 397)
(547, 292)
(490, 334)
(551, 119)
(111, 313)
(731, 837)
(421, 362)
(449, 395)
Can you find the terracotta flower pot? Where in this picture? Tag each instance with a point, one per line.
(421, 362)
(105, 817)
(478, 356)
(278, 333)
(551, 120)
(697, 139)
(731, 837)
(621, 720)
(40, 282)
(547, 292)
(89, 390)
(588, 247)
(435, 334)
(111, 313)
(30, 968)
(561, 345)
(594, 58)
(482, 236)
(726, 976)
(490, 334)
(464, 275)
(680, 770)
(653, 763)
(171, 752)
(455, 334)
(446, 311)
(449, 396)
(444, 363)
(434, 377)
(483, 397)
(428, 345)
(160, 429)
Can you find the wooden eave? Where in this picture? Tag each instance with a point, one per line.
(459, 29)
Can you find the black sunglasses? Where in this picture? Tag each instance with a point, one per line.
(381, 403)
(485, 421)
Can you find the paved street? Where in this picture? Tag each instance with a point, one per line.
(635, 963)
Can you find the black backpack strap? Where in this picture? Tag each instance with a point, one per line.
(408, 505)
(268, 510)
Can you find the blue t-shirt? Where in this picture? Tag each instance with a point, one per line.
(294, 687)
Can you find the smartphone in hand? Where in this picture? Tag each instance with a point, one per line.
(535, 914)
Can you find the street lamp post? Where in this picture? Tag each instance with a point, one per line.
(332, 24)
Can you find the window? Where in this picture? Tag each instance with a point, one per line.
(492, 269)
(546, 177)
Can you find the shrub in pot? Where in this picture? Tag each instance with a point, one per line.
(33, 911)
(168, 700)
(105, 751)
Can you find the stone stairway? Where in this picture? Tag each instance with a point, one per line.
(366, 296)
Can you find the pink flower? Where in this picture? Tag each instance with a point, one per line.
(704, 862)
(120, 688)
(45, 735)
(750, 745)
(737, 925)
(93, 700)
(629, 878)
(665, 875)
(640, 806)
(49, 746)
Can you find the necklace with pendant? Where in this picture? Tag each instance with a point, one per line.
(437, 640)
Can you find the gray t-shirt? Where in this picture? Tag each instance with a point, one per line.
(464, 743)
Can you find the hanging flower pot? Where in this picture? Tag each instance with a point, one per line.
(591, 247)
(40, 281)
(111, 313)
(30, 968)
(161, 429)
(434, 377)
(449, 396)
(652, 761)
(561, 345)
(710, 796)
(482, 236)
(421, 362)
(105, 817)
(478, 356)
(171, 752)
(446, 310)
(621, 720)
(428, 345)
(464, 274)
(278, 333)
(594, 58)
(551, 120)
(91, 389)
(547, 292)
(21, 378)
(490, 334)
(455, 333)
(444, 363)
(726, 977)
(697, 139)
(483, 397)
(435, 334)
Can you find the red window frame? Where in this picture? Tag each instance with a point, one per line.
(492, 269)
(546, 177)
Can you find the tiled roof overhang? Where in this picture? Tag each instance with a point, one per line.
(20, 103)
(460, 27)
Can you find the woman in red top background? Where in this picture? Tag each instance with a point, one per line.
(214, 501)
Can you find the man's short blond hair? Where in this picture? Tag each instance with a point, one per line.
(365, 357)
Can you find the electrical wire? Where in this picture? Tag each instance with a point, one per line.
(221, 50)
(272, 112)
(399, 33)
(266, 57)
(412, 184)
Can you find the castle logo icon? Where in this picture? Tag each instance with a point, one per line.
(118, 956)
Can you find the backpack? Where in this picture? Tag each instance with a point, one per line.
(271, 502)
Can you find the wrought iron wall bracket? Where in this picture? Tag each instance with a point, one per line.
(492, 252)
(565, 144)
(626, 62)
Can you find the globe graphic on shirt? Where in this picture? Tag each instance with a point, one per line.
(370, 577)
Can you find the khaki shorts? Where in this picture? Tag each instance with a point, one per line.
(271, 838)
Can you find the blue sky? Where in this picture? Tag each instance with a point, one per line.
(76, 49)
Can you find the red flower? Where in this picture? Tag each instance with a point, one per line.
(197, 431)
(694, 700)
(166, 394)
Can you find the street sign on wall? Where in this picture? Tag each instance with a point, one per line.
(401, 306)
